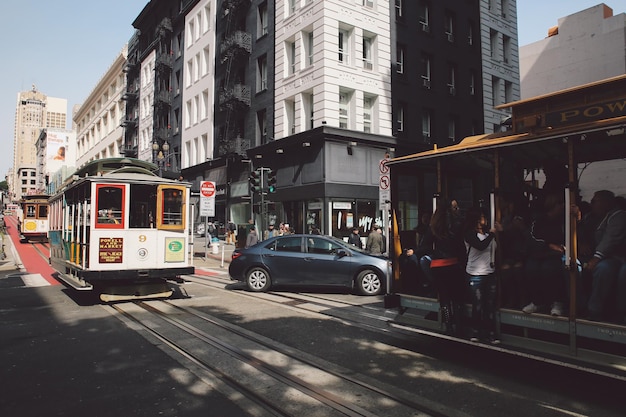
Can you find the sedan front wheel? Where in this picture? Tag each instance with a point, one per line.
(258, 280)
(368, 282)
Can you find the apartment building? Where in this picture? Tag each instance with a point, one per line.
(320, 91)
(154, 76)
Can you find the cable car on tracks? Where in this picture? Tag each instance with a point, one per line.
(583, 131)
(120, 230)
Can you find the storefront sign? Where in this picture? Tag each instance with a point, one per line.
(342, 206)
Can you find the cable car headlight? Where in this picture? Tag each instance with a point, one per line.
(142, 253)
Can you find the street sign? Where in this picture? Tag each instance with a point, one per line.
(384, 185)
(207, 199)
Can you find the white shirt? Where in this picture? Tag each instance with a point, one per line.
(480, 262)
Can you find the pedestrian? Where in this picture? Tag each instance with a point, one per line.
(231, 232)
(252, 238)
(355, 238)
(375, 242)
(270, 232)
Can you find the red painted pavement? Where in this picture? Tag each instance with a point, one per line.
(32, 261)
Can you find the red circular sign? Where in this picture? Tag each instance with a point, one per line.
(207, 189)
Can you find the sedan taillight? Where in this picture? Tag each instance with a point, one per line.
(235, 255)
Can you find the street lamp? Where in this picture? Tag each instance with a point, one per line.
(160, 154)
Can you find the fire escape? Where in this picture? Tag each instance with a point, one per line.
(162, 132)
(130, 96)
(234, 93)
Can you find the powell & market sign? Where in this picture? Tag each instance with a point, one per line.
(589, 113)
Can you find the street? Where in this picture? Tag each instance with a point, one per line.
(216, 349)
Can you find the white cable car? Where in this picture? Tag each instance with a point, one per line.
(120, 230)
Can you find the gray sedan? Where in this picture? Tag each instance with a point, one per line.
(308, 260)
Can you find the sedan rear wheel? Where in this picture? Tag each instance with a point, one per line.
(369, 283)
(258, 280)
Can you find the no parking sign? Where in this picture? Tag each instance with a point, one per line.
(207, 198)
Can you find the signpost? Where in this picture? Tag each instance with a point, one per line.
(207, 199)
(207, 207)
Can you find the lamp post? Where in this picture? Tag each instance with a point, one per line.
(160, 154)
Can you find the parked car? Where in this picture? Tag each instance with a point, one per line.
(308, 260)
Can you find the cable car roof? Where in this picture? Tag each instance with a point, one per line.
(605, 129)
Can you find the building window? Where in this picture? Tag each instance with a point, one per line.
(262, 20)
(506, 48)
(472, 86)
(290, 113)
(448, 25)
(495, 88)
(307, 103)
(400, 59)
(261, 127)
(504, 7)
(290, 50)
(368, 3)
(426, 124)
(452, 128)
(368, 54)
(368, 113)
(261, 81)
(343, 44)
(451, 79)
(307, 40)
(400, 118)
(426, 71)
(292, 6)
(470, 33)
(345, 98)
(424, 16)
(493, 43)
(399, 9)
(508, 91)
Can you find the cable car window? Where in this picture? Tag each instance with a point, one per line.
(43, 211)
(110, 206)
(142, 206)
(171, 206)
(30, 211)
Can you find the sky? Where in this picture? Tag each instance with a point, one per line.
(64, 47)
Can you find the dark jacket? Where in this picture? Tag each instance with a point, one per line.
(355, 239)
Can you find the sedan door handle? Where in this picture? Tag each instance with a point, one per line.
(308, 259)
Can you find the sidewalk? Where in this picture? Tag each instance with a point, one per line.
(11, 261)
(206, 258)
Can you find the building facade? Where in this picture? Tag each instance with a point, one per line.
(34, 111)
(317, 91)
(154, 76)
(500, 60)
(97, 119)
(584, 47)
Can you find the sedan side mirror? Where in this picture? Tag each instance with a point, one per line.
(341, 253)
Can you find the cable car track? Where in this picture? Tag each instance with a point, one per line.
(343, 393)
(357, 315)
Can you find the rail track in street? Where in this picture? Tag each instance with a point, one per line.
(274, 378)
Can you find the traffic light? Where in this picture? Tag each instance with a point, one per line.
(271, 181)
(255, 181)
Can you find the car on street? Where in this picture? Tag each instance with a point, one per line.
(308, 260)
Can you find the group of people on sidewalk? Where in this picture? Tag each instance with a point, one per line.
(376, 242)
